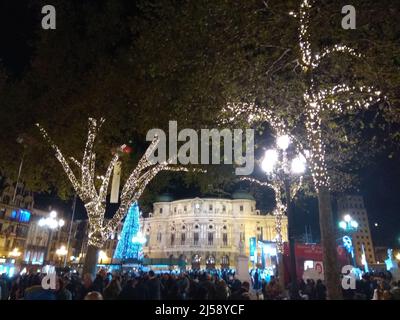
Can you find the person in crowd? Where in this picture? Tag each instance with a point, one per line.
(221, 290)
(395, 290)
(272, 290)
(242, 293)
(4, 292)
(183, 286)
(99, 282)
(209, 285)
(62, 293)
(113, 290)
(94, 295)
(320, 290)
(37, 292)
(153, 286)
(130, 291)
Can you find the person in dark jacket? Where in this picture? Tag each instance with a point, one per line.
(222, 291)
(209, 286)
(99, 282)
(242, 293)
(153, 287)
(320, 290)
(130, 291)
(62, 293)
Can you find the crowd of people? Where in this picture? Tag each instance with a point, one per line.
(182, 286)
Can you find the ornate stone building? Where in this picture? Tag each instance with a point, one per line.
(206, 232)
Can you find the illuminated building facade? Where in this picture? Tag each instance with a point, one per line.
(354, 206)
(206, 232)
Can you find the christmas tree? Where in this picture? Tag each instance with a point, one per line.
(131, 241)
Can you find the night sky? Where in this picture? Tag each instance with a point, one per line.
(380, 181)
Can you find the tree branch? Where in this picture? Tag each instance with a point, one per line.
(61, 159)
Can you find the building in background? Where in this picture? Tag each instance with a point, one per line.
(206, 232)
(354, 206)
(15, 219)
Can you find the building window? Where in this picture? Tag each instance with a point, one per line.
(241, 208)
(225, 239)
(172, 239)
(174, 209)
(210, 238)
(185, 208)
(196, 238)
(210, 207)
(160, 210)
(223, 208)
(210, 227)
(183, 238)
(159, 236)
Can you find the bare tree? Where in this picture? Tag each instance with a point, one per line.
(318, 105)
(94, 198)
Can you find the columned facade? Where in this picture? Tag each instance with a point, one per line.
(206, 232)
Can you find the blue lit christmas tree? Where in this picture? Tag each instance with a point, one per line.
(131, 241)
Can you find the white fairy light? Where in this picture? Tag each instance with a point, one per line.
(315, 101)
(281, 208)
(269, 161)
(95, 201)
(283, 142)
(298, 165)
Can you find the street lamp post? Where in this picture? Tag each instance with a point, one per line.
(279, 167)
(70, 229)
(52, 223)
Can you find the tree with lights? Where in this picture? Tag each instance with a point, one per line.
(127, 248)
(84, 184)
(318, 102)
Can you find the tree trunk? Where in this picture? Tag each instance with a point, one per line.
(331, 268)
(91, 258)
(281, 271)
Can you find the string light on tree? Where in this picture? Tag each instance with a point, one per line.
(319, 101)
(95, 200)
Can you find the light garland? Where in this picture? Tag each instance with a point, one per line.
(281, 208)
(315, 101)
(95, 202)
